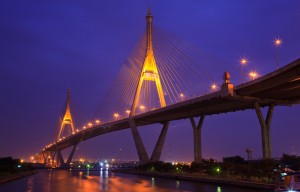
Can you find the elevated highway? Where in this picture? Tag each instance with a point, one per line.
(281, 87)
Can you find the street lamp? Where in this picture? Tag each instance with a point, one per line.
(116, 115)
(253, 75)
(181, 96)
(243, 62)
(277, 43)
(213, 87)
(97, 121)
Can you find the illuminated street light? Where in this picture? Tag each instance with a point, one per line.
(127, 111)
(213, 87)
(84, 127)
(253, 75)
(116, 115)
(277, 43)
(243, 62)
(181, 96)
(142, 107)
(90, 124)
(97, 121)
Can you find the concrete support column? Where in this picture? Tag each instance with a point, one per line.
(71, 155)
(60, 159)
(142, 153)
(265, 125)
(197, 138)
(160, 143)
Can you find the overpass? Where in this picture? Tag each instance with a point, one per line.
(281, 87)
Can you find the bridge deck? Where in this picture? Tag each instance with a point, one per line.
(280, 88)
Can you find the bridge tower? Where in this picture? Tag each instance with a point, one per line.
(67, 119)
(149, 70)
(149, 73)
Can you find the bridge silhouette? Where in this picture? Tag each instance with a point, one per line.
(278, 88)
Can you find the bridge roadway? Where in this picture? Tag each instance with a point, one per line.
(281, 87)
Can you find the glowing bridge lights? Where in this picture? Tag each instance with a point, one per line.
(243, 62)
(181, 95)
(90, 124)
(97, 121)
(213, 87)
(277, 42)
(127, 111)
(142, 107)
(116, 115)
(84, 127)
(253, 75)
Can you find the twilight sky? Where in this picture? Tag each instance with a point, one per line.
(48, 46)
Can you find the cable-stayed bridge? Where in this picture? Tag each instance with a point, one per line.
(154, 87)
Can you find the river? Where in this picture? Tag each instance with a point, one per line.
(90, 181)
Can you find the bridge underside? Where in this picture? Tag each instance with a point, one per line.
(281, 87)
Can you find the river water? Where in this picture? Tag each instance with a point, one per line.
(90, 181)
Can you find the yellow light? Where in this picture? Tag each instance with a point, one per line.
(90, 124)
(77, 130)
(253, 75)
(97, 121)
(127, 111)
(277, 42)
(22, 160)
(181, 95)
(84, 127)
(116, 115)
(142, 107)
(213, 86)
(31, 157)
(243, 61)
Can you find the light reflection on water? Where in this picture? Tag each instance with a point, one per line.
(89, 181)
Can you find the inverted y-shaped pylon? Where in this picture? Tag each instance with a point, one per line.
(67, 119)
(149, 70)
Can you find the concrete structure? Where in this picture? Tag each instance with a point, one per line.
(149, 72)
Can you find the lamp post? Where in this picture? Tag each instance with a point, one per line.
(277, 43)
(243, 62)
(213, 87)
(253, 75)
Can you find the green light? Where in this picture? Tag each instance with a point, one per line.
(88, 166)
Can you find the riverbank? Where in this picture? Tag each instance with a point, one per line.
(203, 179)
(13, 176)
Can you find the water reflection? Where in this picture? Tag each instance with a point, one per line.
(90, 181)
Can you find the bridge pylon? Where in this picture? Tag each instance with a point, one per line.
(67, 119)
(149, 72)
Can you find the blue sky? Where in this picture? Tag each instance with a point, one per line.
(48, 46)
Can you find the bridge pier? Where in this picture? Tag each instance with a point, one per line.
(141, 150)
(265, 125)
(60, 160)
(160, 143)
(197, 138)
(142, 153)
(71, 155)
